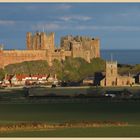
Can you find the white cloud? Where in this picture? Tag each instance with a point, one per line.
(49, 6)
(62, 26)
(46, 26)
(63, 6)
(7, 22)
(76, 17)
(109, 28)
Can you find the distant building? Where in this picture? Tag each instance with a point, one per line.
(7, 80)
(137, 78)
(41, 46)
(25, 79)
(112, 78)
(89, 80)
(81, 46)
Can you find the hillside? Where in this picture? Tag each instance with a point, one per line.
(72, 69)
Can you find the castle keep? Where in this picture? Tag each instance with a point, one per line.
(40, 41)
(84, 47)
(41, 46)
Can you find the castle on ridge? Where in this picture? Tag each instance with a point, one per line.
(41, 46)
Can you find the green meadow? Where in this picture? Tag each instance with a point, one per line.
(63, 112)
(15, 108)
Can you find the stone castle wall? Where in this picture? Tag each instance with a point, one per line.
(41, 46)
(17, 56)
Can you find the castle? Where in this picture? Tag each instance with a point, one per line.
(41, 46)
(112, 78)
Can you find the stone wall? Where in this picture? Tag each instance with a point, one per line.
(1, 59)
(41, 46)
(17, 56)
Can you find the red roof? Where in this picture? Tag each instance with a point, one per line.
(23, 76)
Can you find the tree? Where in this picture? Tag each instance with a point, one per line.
(2, 74)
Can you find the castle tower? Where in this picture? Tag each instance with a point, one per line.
(1, 58)
(51, 41)
(96, 44)
(40, 41)
(29, 41)
(43, 41)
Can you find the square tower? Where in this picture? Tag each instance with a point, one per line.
(111, 73)
(111, 69)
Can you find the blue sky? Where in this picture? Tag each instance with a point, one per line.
(116, 24)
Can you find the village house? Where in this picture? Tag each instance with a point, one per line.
(25, 79)
(88, 80)
(7, 80)
(19, 79)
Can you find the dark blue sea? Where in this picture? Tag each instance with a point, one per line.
(122, 56)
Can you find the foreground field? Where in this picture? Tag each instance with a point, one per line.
(16, 109)
(127, 112)
(129, 131)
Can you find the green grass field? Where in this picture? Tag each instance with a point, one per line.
(15, 108)
(61, 112)
(132, 131)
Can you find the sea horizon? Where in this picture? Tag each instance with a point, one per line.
(122, 56)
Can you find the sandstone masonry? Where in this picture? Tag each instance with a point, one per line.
(112, 78)
(41, 46)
